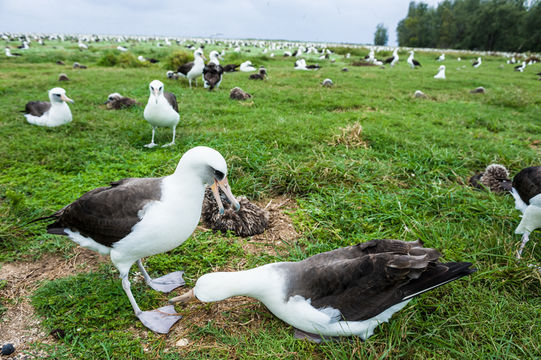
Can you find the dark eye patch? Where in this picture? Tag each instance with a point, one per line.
(219, 175)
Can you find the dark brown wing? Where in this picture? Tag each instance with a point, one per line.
(230, 67)
(171, 99)
(37, 108)
(389, 60)
(415, 62)
(108, 214)
(362, 281)
(528, 183)
(185, 68)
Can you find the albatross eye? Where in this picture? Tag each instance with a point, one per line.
(218, 175)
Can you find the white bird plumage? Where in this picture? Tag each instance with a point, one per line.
(58, 114)
(159, 112)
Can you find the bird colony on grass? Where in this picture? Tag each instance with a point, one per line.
(345, 292)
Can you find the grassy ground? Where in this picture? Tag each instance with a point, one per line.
(407, 183)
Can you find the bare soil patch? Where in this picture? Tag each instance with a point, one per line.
(19, 324)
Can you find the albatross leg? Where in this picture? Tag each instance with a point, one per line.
(159, 320)
(172, 141)
(152, 143)
(166, 283)
(525, 239)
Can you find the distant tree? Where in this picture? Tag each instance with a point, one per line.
(506, 25)
(380, 36)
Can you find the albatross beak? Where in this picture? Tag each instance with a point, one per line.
(65, 98)
(155, 92)
(184, 298)
(224, 186)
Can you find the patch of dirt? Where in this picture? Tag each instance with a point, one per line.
(280, 231)
(19, 324)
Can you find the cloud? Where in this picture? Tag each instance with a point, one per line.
(323, 20)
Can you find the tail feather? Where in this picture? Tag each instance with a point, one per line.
(436, 276)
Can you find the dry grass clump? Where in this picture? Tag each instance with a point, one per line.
(350, 136)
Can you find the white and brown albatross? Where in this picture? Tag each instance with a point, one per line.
(50, 114)
(138, 217)
(527, 193)
(161, 111)
(344, 292)
(193, 69)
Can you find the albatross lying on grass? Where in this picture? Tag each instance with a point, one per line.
(161, 110)
(50, 114)
(139, 217)
(344, 292)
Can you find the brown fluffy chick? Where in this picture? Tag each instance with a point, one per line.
(248, 221)
(115, 101)
(495, 178)
(239, 94)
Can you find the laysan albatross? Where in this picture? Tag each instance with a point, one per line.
(50, 114)
(344, 292)
(161, 111)
(527, 193)
(138, 217)
(193, 69)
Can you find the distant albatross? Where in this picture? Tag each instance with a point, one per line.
(412, 62)
(161, 111)
(344, 292)
(50, 114)
(441, 73)
(138, 217)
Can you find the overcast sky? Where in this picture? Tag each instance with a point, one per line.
(311, 20)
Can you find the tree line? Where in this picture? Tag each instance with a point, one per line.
(493, 25)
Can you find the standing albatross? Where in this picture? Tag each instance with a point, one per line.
(138, 217)
(161, 110)
(193, 69)
(527, 193)
(344, 292)
(50, 114)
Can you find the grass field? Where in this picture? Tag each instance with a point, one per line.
(405, 177)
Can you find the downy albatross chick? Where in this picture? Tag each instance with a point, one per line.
(116, 101)
(161, 110)
(344, 292)
(527, 193)
(138, 217)
(248, 221)
(50, 114)
(261, 75)
(495, 178)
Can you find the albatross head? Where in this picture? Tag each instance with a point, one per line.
(210, 166)
(58, 95)
(156, 89)
(199, 54)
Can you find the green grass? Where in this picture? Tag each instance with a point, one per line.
(407, 184)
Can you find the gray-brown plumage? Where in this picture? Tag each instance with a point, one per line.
(116, 101)
(231, 67)
(249, 220)
(171, 99)
(37, 108)
(99, 215)
(60, 62)
(327, 83)
(212, 75)
(363, 280)
(495, 178)
(259, 76)
(63, 77)
(239, 94)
